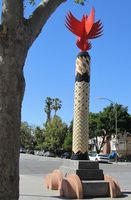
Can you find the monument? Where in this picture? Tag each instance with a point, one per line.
(79, 177)
(85, 30)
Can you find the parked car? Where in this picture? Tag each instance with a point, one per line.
(36, 152)
(30, 151)
(99, 157)
(102, 158)
(22, 150)
(49, 154)
(92, 156)
(66, 155)
(41, 153)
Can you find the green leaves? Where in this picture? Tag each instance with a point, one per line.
(55, 133)
(32, 2)
(26, 137)
(52, 104)
(80, 2)
(105, 120)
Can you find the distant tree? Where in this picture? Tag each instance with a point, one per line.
(103, 123)
(129, 124)
(56, 105)
(68, 139)
(93, 125)
(124, 119)
(70, 128)
(55, 133)
(94, 130)
(39, 138)
(107, 119)
(48, 108)
(26, 136)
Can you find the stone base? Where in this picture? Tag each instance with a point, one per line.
(96, 188)
(91, 176)
(79, 156)
(85, 169)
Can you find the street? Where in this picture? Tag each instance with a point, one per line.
(34, 168)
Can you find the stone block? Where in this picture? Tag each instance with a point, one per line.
(96, 188)
(81, 164)
(90, 174)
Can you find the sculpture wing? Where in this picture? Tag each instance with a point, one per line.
(74, 25)
(89, 21)
(96, 30)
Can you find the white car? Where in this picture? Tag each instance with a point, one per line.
(99, 158)
(92, 156)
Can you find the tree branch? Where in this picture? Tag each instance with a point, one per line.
(12, 12)
(41, 15)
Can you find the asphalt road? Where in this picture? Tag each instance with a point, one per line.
(31, 164)
(37, 167)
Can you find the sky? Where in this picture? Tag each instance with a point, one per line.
(50, 64)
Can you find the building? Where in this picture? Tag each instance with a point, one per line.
(121, 145)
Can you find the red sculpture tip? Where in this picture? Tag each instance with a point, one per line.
(85, 29)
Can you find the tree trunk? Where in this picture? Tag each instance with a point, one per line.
(16, 36)
(12, 57)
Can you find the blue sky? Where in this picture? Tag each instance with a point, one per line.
(50, 65)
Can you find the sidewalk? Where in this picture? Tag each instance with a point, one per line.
(32, 188)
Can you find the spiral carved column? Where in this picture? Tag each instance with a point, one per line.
(81, 107)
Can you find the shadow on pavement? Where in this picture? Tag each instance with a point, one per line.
(35, 195)
(125, 194)
(31, 195)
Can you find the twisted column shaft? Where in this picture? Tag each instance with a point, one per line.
(81, 107)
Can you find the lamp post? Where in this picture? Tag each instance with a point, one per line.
(115, 109)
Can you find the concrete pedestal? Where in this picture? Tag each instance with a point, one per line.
(91, 176)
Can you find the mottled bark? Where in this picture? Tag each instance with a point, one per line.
(13, 51)
(16, 36)
(12, 57)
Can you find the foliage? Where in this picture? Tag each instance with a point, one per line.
(124, 119)
(55, 132)
(32, 2)
(105, 120)
(68, 139)
(93, 124)
(56, 135)
(56, 105)
(68, 142)
(103, 123)
(48, 108)
(39, 138)
(80, 1)
(94, 130)
(26, 136)
(51, 104)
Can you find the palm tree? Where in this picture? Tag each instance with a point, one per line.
(48, 108)
(56, 105)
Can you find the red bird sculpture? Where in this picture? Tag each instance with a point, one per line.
(85, 29)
